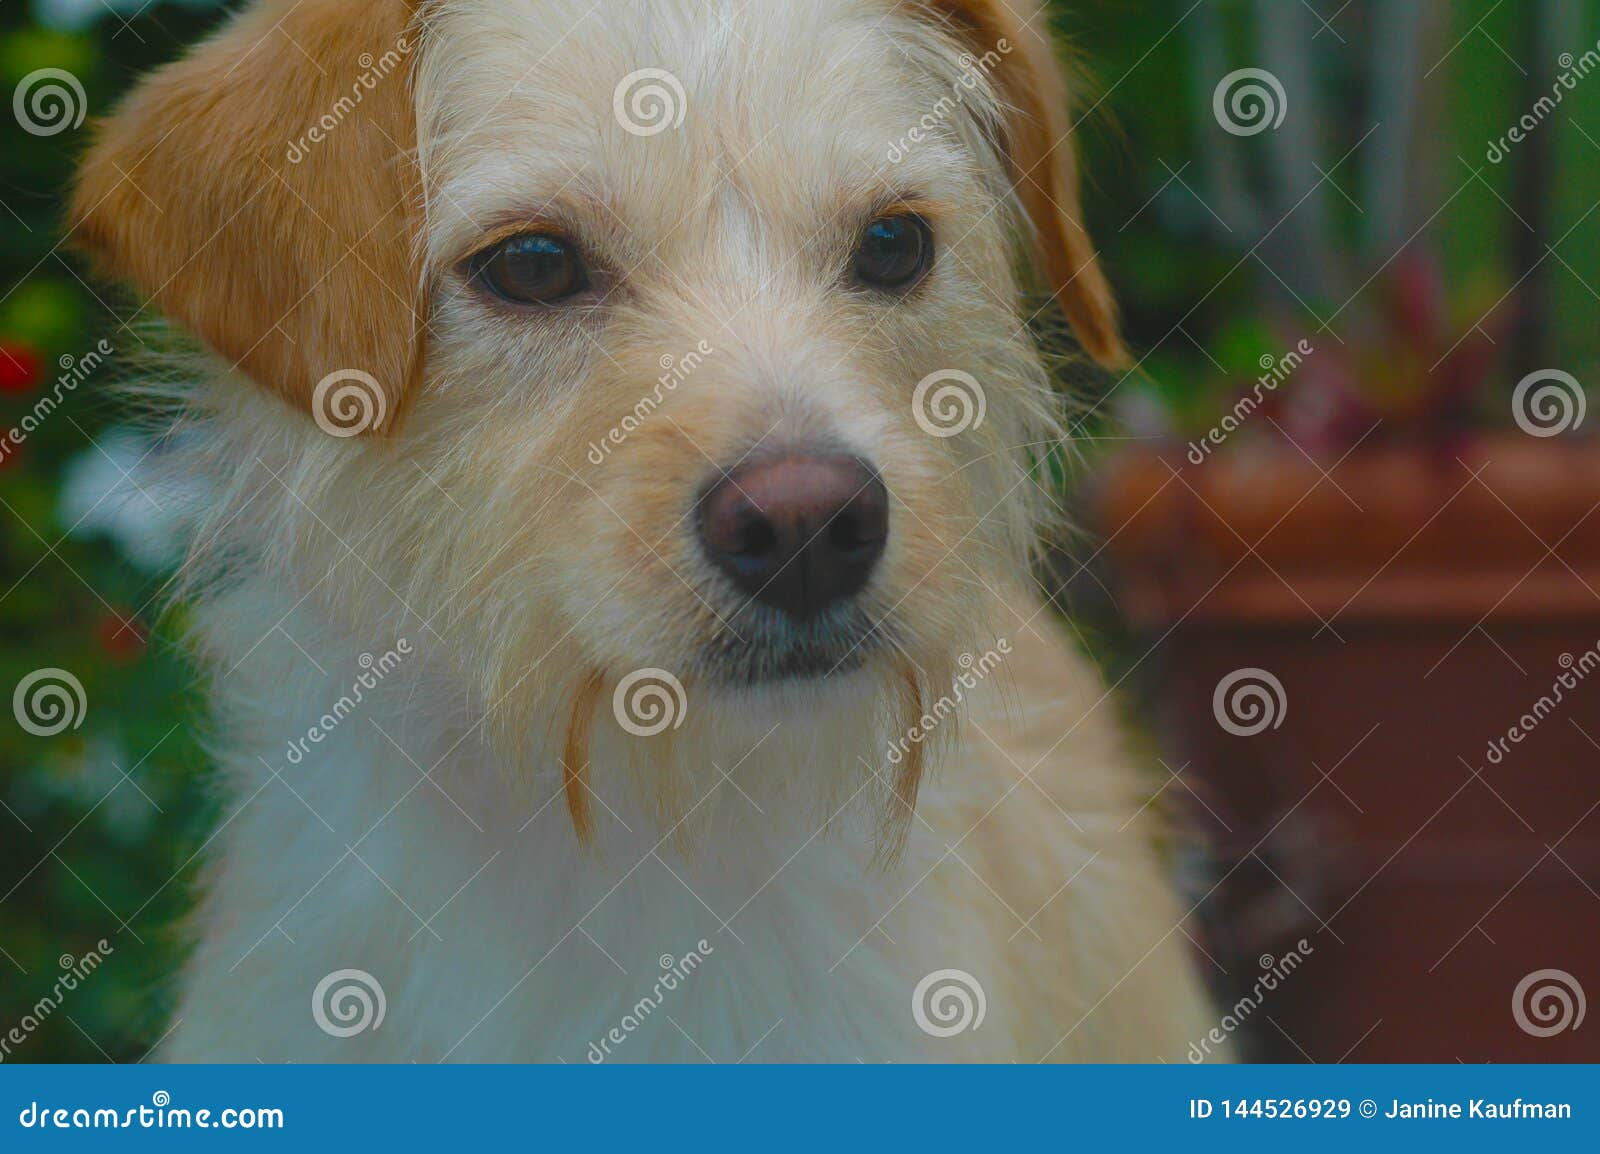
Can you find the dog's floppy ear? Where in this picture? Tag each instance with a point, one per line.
(263, 192)
(1044, 166)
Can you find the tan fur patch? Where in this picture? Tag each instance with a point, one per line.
(1044, 165)
(290, 270)
(575, 754)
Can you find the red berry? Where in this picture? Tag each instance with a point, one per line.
(120, 637)
(19, 368)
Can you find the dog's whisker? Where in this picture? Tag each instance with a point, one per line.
(575, 753)
(895, 824)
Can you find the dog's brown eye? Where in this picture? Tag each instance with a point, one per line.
(894, 252)
(534, 268)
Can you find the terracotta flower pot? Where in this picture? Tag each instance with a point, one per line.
(1421, 801)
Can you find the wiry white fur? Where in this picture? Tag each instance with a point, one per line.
(427, 840)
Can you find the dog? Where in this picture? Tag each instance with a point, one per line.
(625, 454)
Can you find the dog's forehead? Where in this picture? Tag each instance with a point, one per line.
(649, 104)
(747, 64)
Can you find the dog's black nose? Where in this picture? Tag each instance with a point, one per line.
(797, 533)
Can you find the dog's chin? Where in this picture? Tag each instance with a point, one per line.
(758, 650)
(824, 701)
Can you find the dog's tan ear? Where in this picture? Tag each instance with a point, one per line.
(1044, 166)
(263, 192)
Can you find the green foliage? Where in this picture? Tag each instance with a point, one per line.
(1195, 294)
(98, 824)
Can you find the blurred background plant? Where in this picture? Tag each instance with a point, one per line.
(1378, 219)
(97, 823)
(1428, 277)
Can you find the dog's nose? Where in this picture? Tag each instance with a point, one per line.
(797, 533)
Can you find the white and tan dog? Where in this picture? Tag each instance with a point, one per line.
(624, 451)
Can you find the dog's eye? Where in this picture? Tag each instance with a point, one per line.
(531, 269)
(895, 251)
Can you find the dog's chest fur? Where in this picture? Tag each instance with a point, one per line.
(396, 846)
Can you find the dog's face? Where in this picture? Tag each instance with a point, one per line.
(679, 336)
(684, 314)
